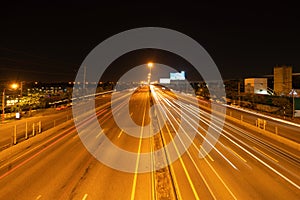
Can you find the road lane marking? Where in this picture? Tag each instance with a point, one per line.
(75, 136)
(38, 197)
(59, 137)
(100, 133)
(120, 133)
(213, 146)
(189, 178)
(173, 175)
(261, 161)
(216, 173)
(84, 197)
(138, 158)
(206, 154)
(40, 151)
(234, 197)
(238, 155)
(266, 154)
(184, 167)
(152, 169)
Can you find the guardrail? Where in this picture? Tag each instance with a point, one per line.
(284, 134)
(28, 129)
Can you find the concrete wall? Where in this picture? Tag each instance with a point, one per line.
(282, 80)
(256, 85)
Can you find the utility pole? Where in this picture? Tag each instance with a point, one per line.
(239, 92)
(21, 88)
(293, 96)
(84, 76)
(3, 104)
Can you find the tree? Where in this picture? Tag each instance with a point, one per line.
(284, 104)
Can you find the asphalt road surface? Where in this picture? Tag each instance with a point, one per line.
(240, 165)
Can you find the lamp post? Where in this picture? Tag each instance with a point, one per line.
(3, 102)
(16, 86)
(13, 86)
(150, 65)
(293, 96)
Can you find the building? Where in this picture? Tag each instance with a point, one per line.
(283, 80)
(164, 81)
(256, 85)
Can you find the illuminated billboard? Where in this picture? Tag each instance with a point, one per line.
(177, 76)
(164, 80)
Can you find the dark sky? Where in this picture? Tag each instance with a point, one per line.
(48, 41)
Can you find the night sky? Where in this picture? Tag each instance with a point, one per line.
(48, 41)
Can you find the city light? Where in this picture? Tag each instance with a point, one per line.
(150, 65)
(14, 86)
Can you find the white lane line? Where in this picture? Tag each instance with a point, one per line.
(84, 197)
(209, 166)
(138, 159)
(120, 133)
(38, 197)
(206, 153)
(100, 133)
(75, 136)
(238, 155)
(185, 169)
(258, 159)
(194, 122)
(265, 154)
(153, 194)
(261, 161)
(178, 153)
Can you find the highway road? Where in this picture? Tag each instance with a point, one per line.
(241, 165)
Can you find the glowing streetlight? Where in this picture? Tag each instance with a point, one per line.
(13, 86)
(150, 65)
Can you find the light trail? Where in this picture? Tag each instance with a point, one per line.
(138, 156)
(190, 156)
(265, 116)
(254, 140)
(197, 124)
(199, 176)
(245, 150)
(258, 159)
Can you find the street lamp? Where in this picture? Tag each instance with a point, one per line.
(3, 102)
(150, 65)
(293, 96)
(13, 86)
